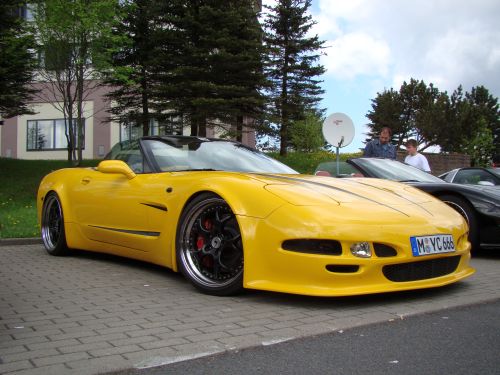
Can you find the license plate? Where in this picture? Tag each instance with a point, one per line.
(436, 244)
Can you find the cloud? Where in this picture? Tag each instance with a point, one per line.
(356, 54)
(444, 42)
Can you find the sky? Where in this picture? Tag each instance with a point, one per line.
(375, 45)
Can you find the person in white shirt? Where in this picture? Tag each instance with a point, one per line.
(414, 158)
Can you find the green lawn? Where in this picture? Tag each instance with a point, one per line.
(19, 180)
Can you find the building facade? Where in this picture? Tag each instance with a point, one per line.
(42, 135)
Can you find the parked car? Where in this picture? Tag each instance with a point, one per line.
(480, 205)
(229, 217)
(473, 176)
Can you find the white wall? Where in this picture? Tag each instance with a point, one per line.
(45, 111)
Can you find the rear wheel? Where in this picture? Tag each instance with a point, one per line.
(465, 209)
(52, 226)
(209, 246)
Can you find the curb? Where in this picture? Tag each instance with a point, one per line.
(20, 241)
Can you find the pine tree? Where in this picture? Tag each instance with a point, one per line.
(134, 76)
(212, 69)
(291, 65)
(16, 63)
(238, 65)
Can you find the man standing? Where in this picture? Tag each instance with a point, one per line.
(415, 158)
(381, 147)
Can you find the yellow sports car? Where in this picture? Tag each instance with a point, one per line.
(229, 217)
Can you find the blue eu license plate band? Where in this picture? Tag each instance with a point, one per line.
(428, 245)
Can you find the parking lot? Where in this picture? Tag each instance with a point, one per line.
(91, 313)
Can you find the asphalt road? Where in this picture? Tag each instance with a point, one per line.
(464, 340)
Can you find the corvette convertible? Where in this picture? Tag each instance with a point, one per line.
(229, 217)
(478, 204)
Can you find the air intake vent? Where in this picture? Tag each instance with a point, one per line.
(342, 268)
(384, 251)
(322, 247)
(423, 270)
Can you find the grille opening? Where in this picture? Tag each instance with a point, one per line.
(422, 270)
(342, 268)
(384, 251)
(323, 247)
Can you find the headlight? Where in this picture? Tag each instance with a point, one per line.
(361, 250)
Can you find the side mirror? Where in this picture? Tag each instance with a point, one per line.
(116, 166)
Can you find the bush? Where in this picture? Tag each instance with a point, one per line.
(306, 163)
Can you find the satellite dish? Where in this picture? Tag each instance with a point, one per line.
(338, 130)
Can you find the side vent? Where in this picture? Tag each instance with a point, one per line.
(321, 247)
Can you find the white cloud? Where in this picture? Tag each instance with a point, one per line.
(444, 41)
(356, 54)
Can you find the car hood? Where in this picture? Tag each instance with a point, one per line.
(303, 190)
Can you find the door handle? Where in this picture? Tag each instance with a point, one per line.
(85, 180)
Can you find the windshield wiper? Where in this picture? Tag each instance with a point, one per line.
(409, 181)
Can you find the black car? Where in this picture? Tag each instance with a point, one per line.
(473, 176)
(479, 204)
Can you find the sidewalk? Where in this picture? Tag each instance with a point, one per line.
(91, 313)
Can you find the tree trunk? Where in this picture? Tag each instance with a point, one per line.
(194, 127)
(79, 120)
(202, 126)
(284, 105)
(239, 128)
(145, 104)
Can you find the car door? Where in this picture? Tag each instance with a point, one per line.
(112, 208)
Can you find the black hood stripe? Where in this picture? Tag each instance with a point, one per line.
(395, 193)
(329, 187)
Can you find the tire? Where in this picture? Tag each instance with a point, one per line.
(465, 209)
(52, 226)
(209, 248)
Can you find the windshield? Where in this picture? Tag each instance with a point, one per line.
(330, 167)
(191, 153)
(495, 171)
(394, 170)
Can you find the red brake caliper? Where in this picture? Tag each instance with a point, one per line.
(207, 261)
(200, 242)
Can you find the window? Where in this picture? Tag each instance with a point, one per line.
(26, 12)
(129, 132)
(172, 126)
(48, 135)
(130, 153)
(475, 176)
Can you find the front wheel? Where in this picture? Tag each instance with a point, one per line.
(209, 246)
(52, 226)
(464, 208)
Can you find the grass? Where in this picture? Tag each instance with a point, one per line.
(20, 179)
(18, 187)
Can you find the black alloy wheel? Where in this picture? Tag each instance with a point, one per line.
(52, 226)
(209, 246)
